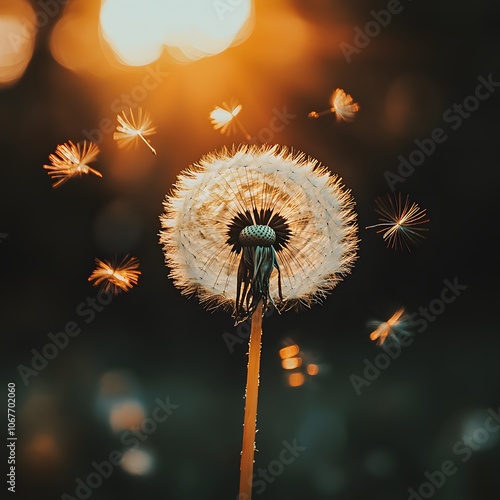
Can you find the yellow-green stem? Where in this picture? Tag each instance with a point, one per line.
(251, 395)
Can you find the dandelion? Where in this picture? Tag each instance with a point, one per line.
(394, 327)
(131, 128)
(401, 222)
(116, 278)
(256, 226)
(226, 120)
(71, 160)
(342, 105)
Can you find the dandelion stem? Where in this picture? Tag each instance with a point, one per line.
(250, 418)
(147, 143)
(316, 114)
(382, 224)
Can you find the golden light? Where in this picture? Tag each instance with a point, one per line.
(17, 40)
(291, 363)
(295, 379)
(138, 31)
(74, 41)
(289, 351)
(312, 369)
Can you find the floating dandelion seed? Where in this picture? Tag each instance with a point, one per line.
(254, 226)
(394, 327)
(341, 104)
(116, 278)
(71, 160)
(400, 221)
(130, 129)
(226, 119)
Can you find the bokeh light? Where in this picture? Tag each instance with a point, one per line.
(138, 31)
(291, 363)
(312, 369)
(17, 40)
(296, 379)
(127, 414)
(137, 462)
(289, 351)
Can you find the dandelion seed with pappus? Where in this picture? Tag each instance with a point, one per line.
(71, 160)
(130, 129)
(226, 119)
(342, 105)
(401, 223)
(114, 277)
(395, 327)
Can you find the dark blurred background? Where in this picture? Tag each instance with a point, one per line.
(431, 404)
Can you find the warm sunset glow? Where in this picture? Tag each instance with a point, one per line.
(295, 379)
(289, 351)
(291, 363)
(17, 40)
(73, 42)
(138, 31)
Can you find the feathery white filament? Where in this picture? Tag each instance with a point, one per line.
(318, 210)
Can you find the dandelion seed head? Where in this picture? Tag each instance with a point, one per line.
(204, 226)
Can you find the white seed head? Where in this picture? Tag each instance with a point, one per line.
(314, 222)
